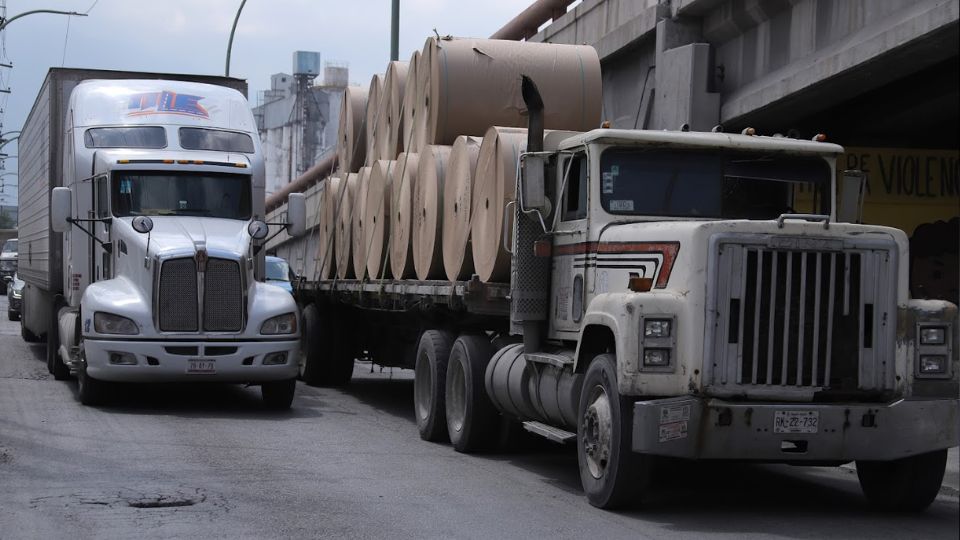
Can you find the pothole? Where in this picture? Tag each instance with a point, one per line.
(165, 501)
(133, 498)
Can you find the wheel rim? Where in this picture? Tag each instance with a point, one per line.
(422, 382)
(456, 396)
(597, 432)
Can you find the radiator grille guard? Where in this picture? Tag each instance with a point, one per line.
(790, 317)
(222, 298)
(178, 296)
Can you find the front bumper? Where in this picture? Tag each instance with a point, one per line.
(703, 428)
(167, 361)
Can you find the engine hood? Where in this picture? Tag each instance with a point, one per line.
(178, 234)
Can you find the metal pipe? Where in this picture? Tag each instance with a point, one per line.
(233, 29)
(525, 25)
(5, 22)
(395, 30)
(302, 182)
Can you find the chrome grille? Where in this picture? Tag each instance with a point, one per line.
(802, 314)
(222, 296)
(177, 297)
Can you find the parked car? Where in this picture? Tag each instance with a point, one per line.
(279, 273)
(14, 298)
(8, 263)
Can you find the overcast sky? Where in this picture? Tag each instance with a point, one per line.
(190, 36)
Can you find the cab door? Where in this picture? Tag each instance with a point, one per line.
(571, 254)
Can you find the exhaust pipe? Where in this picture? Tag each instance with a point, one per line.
(534, 103)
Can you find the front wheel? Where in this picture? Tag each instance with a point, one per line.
(907, 484)
(328, 349)
(278, 395)
(90, 391)
(611, 474)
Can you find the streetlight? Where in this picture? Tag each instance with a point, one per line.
(5, 22)
(3, 142)
(232, 30)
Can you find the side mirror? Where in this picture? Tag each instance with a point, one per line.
(850, 206)
(142, 224)
(258, 229)
(296, 214)
(61, 205)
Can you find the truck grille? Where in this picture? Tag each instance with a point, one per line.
(222, 299)
(803, 314)
(179, 297)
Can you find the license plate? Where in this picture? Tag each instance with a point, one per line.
(796, 421)
(200, 365)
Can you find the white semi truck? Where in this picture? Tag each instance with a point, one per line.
(141, 228)
(679, 294)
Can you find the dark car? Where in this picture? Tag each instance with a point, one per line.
(14, 298)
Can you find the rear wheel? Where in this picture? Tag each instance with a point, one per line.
(55, 364)
(908, 484)
(278, 395)
(611, 474)
(472, 420)
(429, 384)
(12, 315)
(26, 334)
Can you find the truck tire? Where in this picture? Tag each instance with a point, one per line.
(90, 391)
(278, 395)
(907, 484)
(611, 474)
(329, 355)
(472, 420)
(55, 364)
(12, 316)
(429, 384)
(26, 334)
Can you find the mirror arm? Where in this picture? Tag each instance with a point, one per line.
(77, 223)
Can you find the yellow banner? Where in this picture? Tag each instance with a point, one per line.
(906, 187)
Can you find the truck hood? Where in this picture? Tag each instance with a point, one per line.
(177, 234)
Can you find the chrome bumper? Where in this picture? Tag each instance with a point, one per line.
(702, 428)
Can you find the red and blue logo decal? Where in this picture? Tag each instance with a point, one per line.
(166, 102)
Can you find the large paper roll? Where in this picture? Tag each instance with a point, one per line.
(402, 187)
(427, 214)
(456, 255)
(410, 104)
(494, 186)
(418, 132)
(472, 84)
(357, 235)
(374, 95)
(326, 243)
(391, 105)
(352, 134)
(343, 238)
(376, 218)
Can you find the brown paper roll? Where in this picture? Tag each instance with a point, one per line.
(357, 234)
(376, 220)
(352, 134)
(457, 255)
(472, 84)
(391, 105)
(402, 187)
(494, 186)
(427, 214)
(374, 95)
(326, 244)
(418, 132)
(343, 241)
(410, 103)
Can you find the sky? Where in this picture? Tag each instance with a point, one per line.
(190, 36)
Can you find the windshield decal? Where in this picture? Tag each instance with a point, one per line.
(166, 102)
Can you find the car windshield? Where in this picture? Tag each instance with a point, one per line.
(712, 185)
(278, 270)
(181, 194)
(10, 246)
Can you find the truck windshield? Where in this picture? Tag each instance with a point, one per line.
(712, 185)
(181, 194)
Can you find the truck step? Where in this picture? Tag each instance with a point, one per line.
(554, 434)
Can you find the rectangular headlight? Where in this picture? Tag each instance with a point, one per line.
(933, 364)
(656, 328)
(281, 324)
(108, 323)
(656, 357)
(933, 335)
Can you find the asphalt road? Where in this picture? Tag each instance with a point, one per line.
(209, 462)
